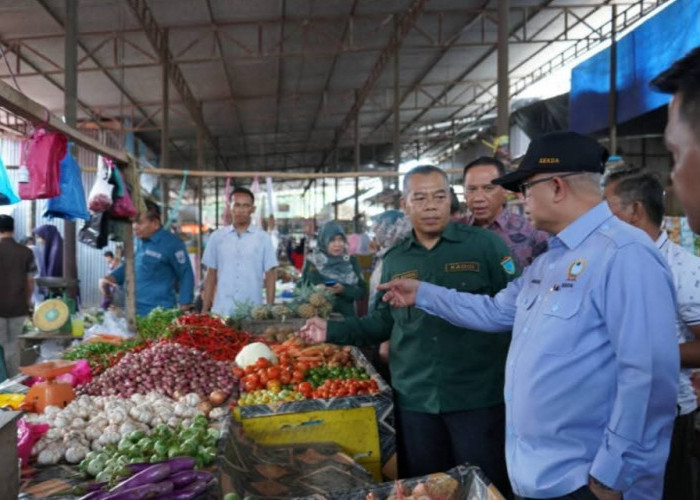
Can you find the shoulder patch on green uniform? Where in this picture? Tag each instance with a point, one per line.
(508, 265)
(458, 267)
(408, 275)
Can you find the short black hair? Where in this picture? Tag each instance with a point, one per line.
(108, 253)
(7, 224)
(423, 170)
(646, 189)
(485, 160)
(611, 176)
(683, 78)
(152, 211)
(241, 190)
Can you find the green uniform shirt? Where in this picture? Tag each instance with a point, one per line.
(437, 367)
(343, 303)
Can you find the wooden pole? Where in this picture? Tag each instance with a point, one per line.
(70, 266)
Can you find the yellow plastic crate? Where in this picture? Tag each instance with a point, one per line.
(353, 429)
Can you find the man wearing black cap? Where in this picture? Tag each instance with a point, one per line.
(17, 268)
(592, 370)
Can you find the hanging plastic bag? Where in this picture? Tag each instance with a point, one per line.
(39, 172)
(100, 198)
(95, 232)
(7, 193)
(123, 207)
(70, 204)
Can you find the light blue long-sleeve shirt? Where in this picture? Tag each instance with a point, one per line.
(592, 371)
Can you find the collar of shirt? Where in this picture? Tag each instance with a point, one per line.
(250, 229)
(449, 233)
(662, 240)
(576, 232)
(500, 222)
(156, 237)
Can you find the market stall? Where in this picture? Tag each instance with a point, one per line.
(193, 407)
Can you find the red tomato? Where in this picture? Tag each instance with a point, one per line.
(305, 388)
(262, 363)
(274, 372)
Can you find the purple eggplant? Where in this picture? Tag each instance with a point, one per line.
(177, 464)
(96, 495)
(153, 474)
(189, 493)
(142, 492)
(183, 478)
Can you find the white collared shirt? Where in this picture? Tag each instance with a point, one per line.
(685, 269)
(241, 261)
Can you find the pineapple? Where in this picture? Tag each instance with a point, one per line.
(280, 311)
(306, 311)
(317, 299)
(325, 310)
(260, 313)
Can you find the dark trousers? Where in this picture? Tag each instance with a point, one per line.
(583, 493)
(679, 477)
(429, 443)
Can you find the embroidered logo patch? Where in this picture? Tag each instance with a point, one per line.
(180, 256)
(508, 265)
(408, 275)
(575, 269)
(458, 267)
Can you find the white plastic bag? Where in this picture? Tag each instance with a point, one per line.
(100, 198)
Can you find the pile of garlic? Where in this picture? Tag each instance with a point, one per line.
(91, 422)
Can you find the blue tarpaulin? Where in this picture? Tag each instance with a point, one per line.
(641, 55)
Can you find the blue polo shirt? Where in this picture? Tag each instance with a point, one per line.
(162, 268)
(592, 370)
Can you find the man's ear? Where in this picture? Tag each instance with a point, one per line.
(639, 213)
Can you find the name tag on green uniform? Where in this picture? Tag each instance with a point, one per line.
(408, 275)
(460, 267)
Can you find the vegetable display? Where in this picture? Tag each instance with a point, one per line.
(169, 369)
(192, 445)
(208, 334)
(96, 422)
(171, 479)
(155, 324)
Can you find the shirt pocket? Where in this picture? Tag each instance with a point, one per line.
(559, 333)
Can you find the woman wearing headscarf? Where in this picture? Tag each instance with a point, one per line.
(330, 265)
(51, 263)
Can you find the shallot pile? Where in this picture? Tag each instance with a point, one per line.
(169, 369)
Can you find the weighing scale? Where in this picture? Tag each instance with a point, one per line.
(48, 392)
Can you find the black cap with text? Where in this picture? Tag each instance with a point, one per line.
(557, 152)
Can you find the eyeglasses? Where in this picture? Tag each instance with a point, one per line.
(524, 186)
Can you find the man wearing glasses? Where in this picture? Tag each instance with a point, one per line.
(592, 370)
(448, 381)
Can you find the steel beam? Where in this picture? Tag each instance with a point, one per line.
(154, 34)
(407, 21)
(229, 77)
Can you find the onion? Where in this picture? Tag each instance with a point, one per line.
(217, 397)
